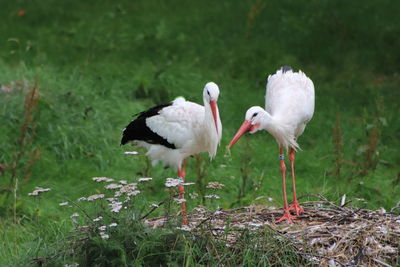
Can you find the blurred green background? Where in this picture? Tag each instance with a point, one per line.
(96, 63)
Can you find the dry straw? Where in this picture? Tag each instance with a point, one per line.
(326, 234)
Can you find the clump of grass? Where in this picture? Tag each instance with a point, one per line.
(266, 248)
(111, 229)
(129, 243)
(366, 157)
(25, 154)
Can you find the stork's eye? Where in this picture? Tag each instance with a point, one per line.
(255, 114)
(208, 93)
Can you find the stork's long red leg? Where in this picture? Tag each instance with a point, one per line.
(182, 174)
(286, 215)
(295, 205)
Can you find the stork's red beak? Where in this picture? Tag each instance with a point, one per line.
(214, 111)
(246, 125)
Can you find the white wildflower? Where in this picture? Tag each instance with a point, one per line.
(113, 225)
(187, 184)
(72, 265)
(82, 199)
(184, 228)
(123, 181)
(102, 228)
(194, 195)
(98, 219)
(73, 217)
(63, 204)
(111, 199)
(215, 185)
(145, 179)
(180, 200)
(155, 205)
(129, 190)
(115, 206)
(38, 190)
(212, 196)
(94, 197)
(104, 236)
(270, 199)
(131, 152)
(102, 179)
(172, 182)
(222, 166)
(113, 186)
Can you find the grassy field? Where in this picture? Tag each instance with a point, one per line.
(96, 63)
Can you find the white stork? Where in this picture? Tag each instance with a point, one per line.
(289, 106)
(174, 131)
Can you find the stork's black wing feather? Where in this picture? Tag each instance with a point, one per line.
(138, 130)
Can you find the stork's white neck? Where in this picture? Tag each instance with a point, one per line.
(282, 132)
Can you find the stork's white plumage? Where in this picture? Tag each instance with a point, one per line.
(174, 131)
(289, 106)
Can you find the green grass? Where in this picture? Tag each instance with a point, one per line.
(97, 63)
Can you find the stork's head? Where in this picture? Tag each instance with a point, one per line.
(210, 95)
(211, 92)
(252, 123)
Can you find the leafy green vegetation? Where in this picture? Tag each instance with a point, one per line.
(96, 63)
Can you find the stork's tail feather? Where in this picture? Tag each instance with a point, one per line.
(286, 69)
(138, 130)
(125, 139)
(128, 134)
